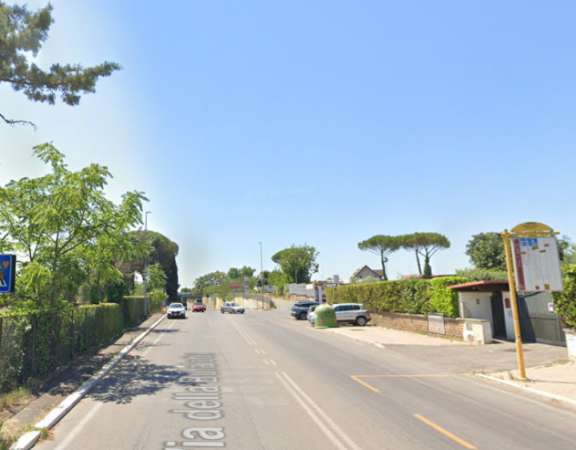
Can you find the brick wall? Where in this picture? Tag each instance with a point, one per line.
(417, 323)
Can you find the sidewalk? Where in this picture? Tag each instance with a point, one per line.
(66, 381)
(381, 336)
(556, 381)
(453, 356)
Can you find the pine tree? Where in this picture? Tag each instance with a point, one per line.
(22, 33)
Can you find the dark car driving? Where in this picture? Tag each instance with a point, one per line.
(300, 309)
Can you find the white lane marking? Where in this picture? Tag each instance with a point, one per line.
(78, 428)
(273, 362)
(311, 413)
(242, 333)
(92, 412)
(335, 428)
(266, 362)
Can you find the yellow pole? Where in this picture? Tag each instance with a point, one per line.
(506, 236)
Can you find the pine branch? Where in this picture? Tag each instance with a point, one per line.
(13, 122)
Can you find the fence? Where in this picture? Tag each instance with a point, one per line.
(33, 345)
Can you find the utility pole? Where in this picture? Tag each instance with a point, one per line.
(146, 257)
(261, 263)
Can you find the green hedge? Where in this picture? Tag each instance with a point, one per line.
(36, 343)
(136, 309)
(414, 296)
(565, 302)
(157, 301)
(97, 325)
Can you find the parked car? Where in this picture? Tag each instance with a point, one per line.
(312, 315)
(176, 310)
(300, 309)
(199, 307)
(231, 308)
(351, 313)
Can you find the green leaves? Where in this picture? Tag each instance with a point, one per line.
(413, 296)
(23, 32)
(565, 302)
(384, 246)
(486, 251)
(66, 229)
(423, 244)
(297, 263)
(156, 278)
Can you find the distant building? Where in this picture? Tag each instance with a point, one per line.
(366, 273)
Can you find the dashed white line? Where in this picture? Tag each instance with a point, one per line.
(251, 342)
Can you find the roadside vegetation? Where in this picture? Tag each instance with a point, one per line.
(78, 254)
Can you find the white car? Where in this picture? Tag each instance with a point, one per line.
(345, 313)
(351, 313)
(176, 310)
(231, 308)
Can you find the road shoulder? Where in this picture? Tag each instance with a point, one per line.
(68, 381)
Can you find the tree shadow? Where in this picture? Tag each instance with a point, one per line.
(134, 376)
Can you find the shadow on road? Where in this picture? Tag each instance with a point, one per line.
(132, 377)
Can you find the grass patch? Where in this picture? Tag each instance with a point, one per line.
(13, 399)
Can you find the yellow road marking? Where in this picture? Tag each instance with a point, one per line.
(445, 432)
(409, 375)
(357, 379)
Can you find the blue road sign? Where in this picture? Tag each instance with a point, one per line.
(7, 273)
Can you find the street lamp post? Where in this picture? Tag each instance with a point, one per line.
(146, 256)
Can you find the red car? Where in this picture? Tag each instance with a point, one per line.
(199, 307)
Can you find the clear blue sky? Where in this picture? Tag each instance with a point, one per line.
(325, 122)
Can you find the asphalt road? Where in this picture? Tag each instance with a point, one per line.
(265, 381)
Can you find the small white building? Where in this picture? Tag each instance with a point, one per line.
(490, 300)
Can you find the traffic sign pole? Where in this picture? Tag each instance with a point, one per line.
(507, 238)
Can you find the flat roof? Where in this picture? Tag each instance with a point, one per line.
(482, 286)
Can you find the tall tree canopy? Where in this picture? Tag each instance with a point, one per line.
(160, 250)
(213, 283)
(235, 273)
(65, 230)
(383, 246)
(22, 34)
(425, 245)
(486, 251)
(297, 262)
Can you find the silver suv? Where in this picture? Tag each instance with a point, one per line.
(351, 313)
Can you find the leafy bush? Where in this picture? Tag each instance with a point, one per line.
(565, 302)
(414, 296)
(135, 310)
(35, 343)
(97, 325)
(157, 300)
(482, 274)
(444, 300)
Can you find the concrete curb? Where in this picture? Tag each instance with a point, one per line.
(538, 392)
(29, 439)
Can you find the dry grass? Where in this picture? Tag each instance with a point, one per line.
(10, 403)
(14, 399)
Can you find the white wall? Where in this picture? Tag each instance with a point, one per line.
(508, 315)
(476, 305)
